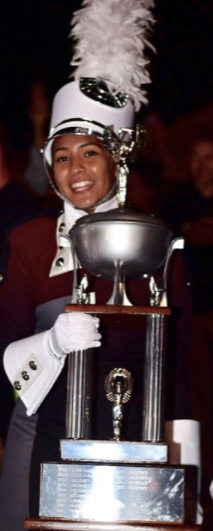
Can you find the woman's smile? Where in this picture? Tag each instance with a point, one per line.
(81, 186)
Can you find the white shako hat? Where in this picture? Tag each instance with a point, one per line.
(111, 68)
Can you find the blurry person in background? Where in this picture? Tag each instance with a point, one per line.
(38, 112)
(189, 212)
(26, 122)
(16, 203)
(17, 200)
(201, 164)
(157, 151)
(143, 186)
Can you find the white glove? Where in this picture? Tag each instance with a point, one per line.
(73, 331)
(41, 357)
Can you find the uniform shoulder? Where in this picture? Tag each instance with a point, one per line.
(32, 226)
(30, 231)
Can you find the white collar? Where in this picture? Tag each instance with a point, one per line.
(63, 260)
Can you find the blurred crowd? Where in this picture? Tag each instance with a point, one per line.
(24, 192)
(173, 179)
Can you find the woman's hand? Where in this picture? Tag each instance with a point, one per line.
(73, 331)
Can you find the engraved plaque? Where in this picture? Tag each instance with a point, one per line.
(134, 452)
(106, 493)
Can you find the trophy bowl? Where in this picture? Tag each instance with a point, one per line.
(138, 242)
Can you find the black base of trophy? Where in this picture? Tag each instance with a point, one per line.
(63, 525)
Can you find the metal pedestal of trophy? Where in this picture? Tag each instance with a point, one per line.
(118, 485)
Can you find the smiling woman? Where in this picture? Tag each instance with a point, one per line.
(82, 170)
(37, 335)
(81, 156)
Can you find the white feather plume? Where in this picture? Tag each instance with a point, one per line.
(111, 37)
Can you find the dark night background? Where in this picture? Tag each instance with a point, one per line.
(34, 41)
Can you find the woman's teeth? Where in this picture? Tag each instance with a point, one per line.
(81, 184)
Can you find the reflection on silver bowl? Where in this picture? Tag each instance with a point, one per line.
(136, 241)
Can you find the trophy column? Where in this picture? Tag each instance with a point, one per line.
(152, 427)
(79, 391)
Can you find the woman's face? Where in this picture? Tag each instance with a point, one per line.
(83, 171)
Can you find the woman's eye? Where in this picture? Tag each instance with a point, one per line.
(62, 158)
(90, 153)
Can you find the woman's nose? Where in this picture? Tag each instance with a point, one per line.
(76, 165)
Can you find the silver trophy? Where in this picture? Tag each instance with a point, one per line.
(116, 484)
(121, 244)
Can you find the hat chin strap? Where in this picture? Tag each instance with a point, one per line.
(106, 198)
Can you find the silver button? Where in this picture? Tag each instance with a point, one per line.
(59, 262)
(25, 375)
(17, 385)
(61, 227)
(33, 365)
(1, 277)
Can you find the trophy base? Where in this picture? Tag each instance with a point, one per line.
(62, 525)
